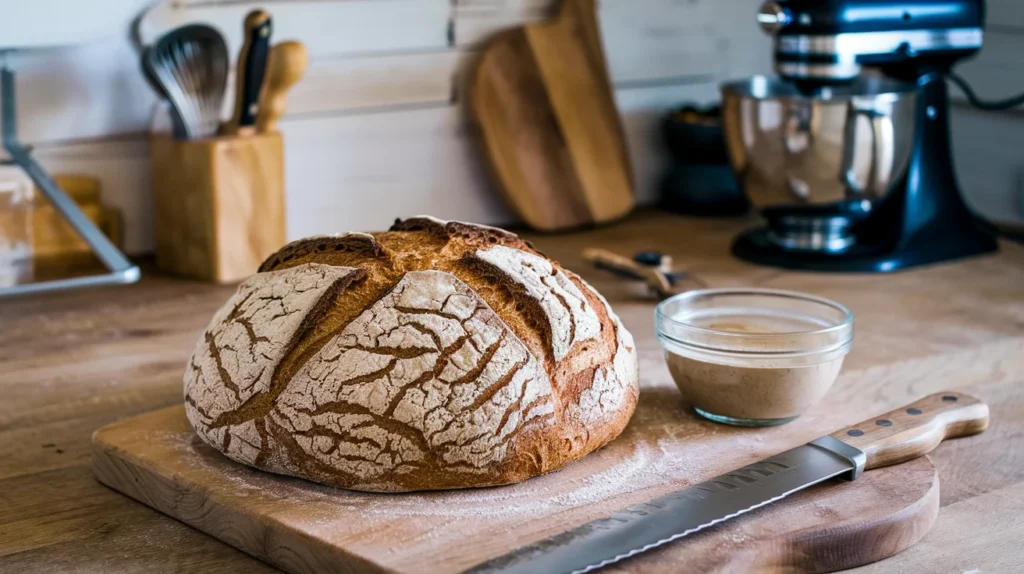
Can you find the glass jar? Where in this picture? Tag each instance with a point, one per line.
(16, 208)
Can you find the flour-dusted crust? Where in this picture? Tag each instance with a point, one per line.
(435, 355)
(570, 316)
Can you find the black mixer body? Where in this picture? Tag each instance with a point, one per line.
(923, 219)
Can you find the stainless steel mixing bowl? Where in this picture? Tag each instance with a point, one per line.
(844, 144)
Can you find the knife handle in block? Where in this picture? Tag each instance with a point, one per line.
(249, 72)
(285, 65)
(916, 429)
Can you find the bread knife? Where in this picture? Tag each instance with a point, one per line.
(252, 66)
(898, 436)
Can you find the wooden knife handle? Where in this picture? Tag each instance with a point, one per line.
(626, 267)
(613, 262)
(916, 429)
(285, 66)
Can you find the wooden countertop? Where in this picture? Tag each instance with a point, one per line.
(72, 362)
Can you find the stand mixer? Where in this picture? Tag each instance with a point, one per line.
(921, 218)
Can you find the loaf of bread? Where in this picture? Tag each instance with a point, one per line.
(434, 355)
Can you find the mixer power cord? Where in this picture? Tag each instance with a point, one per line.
(982, 104)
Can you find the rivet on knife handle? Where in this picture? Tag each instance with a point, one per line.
(916, 429)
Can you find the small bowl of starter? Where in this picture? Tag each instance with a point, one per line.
(753, 357)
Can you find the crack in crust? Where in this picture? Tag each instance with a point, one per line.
(470, 360)
(235, 358)
(450, 404)
(559, 297)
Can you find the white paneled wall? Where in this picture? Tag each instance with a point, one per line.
(376, 130)
(989, 154)
(83, 91)
(362, 170)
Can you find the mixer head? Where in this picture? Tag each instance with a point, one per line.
(823, 42)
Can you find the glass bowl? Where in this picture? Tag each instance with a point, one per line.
(753, 357)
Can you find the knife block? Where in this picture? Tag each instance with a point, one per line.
(219, 204)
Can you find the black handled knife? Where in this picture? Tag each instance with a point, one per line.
(252, 66)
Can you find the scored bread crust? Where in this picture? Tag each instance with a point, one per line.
(435, 355)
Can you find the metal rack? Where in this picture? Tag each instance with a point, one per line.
(121, 270)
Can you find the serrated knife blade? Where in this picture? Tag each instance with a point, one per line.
(648, 525)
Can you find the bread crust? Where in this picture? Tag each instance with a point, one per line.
(435, 355)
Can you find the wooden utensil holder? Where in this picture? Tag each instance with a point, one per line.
(219, 204)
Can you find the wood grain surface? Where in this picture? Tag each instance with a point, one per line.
(307, 529)
(73, 362)
(916, 429)
(219, 204)
(542, 101)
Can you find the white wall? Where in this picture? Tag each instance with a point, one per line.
(375, 130)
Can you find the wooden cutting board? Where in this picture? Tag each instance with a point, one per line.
(305, 528)
(541, 98)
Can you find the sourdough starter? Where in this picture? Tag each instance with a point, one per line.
(761, 392)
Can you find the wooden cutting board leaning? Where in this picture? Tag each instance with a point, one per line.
(303, 527)
(541, 98)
